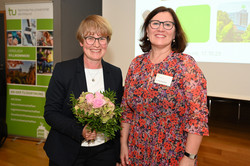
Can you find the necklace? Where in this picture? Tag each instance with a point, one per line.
(92, 73)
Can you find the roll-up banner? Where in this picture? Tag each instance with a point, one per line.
(29, 67)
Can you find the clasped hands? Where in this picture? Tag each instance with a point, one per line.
(88, 135)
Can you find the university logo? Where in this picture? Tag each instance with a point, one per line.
(12, 12)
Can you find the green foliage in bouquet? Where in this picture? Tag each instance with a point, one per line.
(98, 111)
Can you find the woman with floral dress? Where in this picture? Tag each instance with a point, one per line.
(165, 98)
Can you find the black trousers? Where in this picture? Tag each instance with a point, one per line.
(101, 155)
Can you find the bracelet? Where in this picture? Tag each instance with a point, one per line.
(191, 156)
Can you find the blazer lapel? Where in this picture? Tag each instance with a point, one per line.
(106, 75)
(81, 75)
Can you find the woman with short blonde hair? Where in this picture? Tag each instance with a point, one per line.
(69, 143)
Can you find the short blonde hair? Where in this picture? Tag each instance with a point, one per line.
(94, 24)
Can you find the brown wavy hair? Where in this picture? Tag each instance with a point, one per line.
(180, 37)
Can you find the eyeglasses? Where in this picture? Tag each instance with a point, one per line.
(91, 40)
(154, 24)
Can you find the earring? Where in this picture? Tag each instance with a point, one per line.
(147, 39)
(173, 40)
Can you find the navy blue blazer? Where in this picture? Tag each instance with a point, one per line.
(64, 140)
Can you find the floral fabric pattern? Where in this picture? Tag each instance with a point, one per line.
(161, 116)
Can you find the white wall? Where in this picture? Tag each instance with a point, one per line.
(121, 15)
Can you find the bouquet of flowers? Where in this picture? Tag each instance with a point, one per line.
(98, 111)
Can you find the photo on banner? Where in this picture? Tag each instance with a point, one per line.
(29, 67)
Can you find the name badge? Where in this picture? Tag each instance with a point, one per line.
(163, 79)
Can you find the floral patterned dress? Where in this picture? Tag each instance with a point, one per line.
(161, 116)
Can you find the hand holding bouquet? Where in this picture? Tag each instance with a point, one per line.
(98, 111)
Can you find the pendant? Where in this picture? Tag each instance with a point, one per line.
(93, 80)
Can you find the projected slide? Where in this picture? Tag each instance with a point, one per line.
(217, 30)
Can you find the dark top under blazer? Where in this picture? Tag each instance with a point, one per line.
(64, 140)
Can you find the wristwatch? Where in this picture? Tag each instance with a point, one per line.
(191, 156)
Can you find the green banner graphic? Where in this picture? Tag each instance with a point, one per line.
(29, 67)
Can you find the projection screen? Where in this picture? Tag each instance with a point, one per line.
(218, 35)
(218, 32)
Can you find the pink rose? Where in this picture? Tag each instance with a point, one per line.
(97, 102)
(90, 97)
(98, 95)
